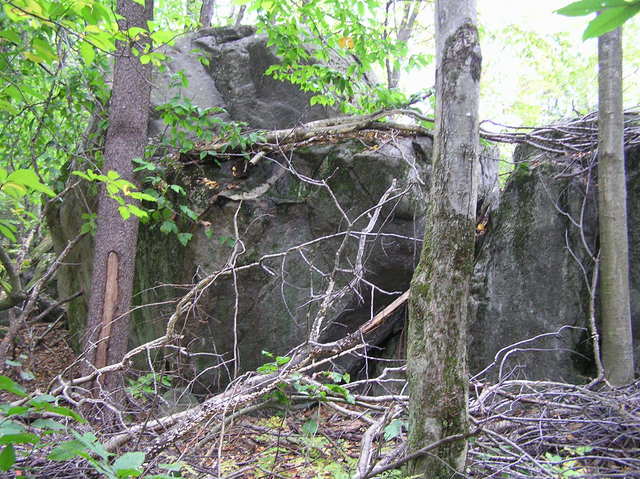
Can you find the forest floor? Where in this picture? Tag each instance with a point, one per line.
(528, 429)
(298, 442)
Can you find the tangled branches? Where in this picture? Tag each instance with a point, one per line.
(547, 429)
(573, 136)
(568, 137)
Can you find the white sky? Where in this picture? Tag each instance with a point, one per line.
(533, 15)
(494, 15)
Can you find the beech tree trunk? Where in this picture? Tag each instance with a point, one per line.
(617, 339)
(437, 342)
(115, 241)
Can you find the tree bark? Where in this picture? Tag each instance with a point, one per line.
(206, 12)
(617, 339)
(240, 16)
(115, 242)
(437, 344)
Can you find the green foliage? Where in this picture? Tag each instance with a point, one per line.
(17, 189)
(554, 80)
(87, 446)
(394, 429)
(275, 365)
(119, 189)
(613, 14)
(166, 212)
(329, 47)
(187, 126)
(15, 431)
(563, 467)
(147, 385)
(53, 65)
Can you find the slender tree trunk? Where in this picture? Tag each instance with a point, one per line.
(115, 241)
(437, 343)
(617, 340)
(405, 30)
(240, 16)
(206, 12)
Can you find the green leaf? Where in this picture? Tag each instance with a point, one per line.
(609, 20)
(189, 212)
(11, 427)
(138, 212)
(168, 227)
(163, 36)
(48, 425)
(44, 50)
(7, 384)
(393, 429)
(82, 175)
(11, 36)
(124, 212)
(310, 427)
(22, 438)
(7, 458)
(129, 464)
(91, 443)
(7, 232)
(282, 360)
(342, 391)
(142, 196)
(28, 178)
(585, 7)
(60, 410)
(134, 32)
(67, 450)
(87, 53)
(13, 92)
(16, 410)
(184, 238)
(267, 368)
(45, 398)
(15, 190)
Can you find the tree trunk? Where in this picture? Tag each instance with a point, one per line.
(437, 343)
(617, 340)
(240, 15)
(404, 32)
(115, 242)
(206, 12)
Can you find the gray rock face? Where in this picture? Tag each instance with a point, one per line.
(533, 271)
(293, 235)
(225, 69)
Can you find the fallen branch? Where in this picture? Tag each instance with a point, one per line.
(421, 452)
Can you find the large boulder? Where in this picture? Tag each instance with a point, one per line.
(535, 267)
(283, 224)
(225, 69)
